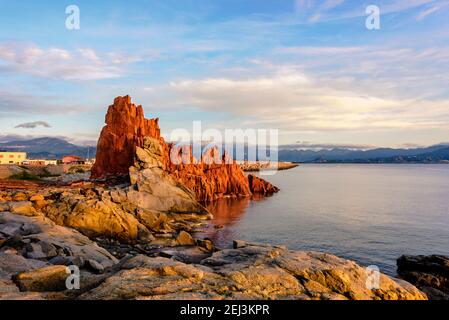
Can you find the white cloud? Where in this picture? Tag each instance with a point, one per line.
(33, 125)
(294, 101)
(58, 63)
(325, 10)
(423, 14)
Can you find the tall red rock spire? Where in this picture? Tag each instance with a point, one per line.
(126, 128)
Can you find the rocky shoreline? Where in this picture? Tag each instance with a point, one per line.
(129, 232)
(34, 253)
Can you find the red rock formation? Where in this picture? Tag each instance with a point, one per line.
(211, 181)
(125, 129)
(260, 186)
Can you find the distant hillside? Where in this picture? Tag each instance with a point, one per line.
(433, 154)
(47, 148)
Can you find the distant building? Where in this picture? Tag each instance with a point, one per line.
(12, 157)
(73, 160)
(40, 162)
(90, 161)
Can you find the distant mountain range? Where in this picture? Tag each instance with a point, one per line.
(56, 148)
(433, 154)
(47, 148)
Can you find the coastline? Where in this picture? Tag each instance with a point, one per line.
(256, 166)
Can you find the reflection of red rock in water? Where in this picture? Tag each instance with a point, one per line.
(226, 212)
(126, 128)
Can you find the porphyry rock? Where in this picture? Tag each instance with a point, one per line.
(122, 141)
(185, 239)
(125, 129)
(51, 278)
(250, 272)
(260, 186)
(429, 273)
(46, 237)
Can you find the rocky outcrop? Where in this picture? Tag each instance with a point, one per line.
(124, 136)
(429, 273)
(251, 271)
(153, 188)
(260, 186)
(34, 253)
(155, 204)
(47, 279)
(125, 129)
(41, 240)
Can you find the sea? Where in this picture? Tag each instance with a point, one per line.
(368, 213)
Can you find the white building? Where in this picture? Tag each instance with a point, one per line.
(12, 157)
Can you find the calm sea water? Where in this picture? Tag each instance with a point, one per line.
(368, 213)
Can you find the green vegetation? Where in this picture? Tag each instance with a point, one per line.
(24, 175)
(76, 169)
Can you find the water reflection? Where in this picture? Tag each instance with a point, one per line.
(227, 212)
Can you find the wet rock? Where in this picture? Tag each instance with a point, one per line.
(51, 278)
(187, 255)
(206, 244)
(428, 273)
(95, 266)
(236, 244)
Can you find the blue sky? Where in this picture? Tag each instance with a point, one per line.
(308, 68)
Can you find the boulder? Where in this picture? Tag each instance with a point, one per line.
(51, 278)
(185, 239)
(37, 197)
(429, 273)
(260, 186)
(24, 208)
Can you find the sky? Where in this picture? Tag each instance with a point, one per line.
(309, 68)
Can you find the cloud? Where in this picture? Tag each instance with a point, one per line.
(33, 125)
(59, 63)
(423, 14)
(295, 101)
(326, 10)
(305, 145)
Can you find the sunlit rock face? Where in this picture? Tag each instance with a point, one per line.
(125, 129)
(122, 141)
(250, 272)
